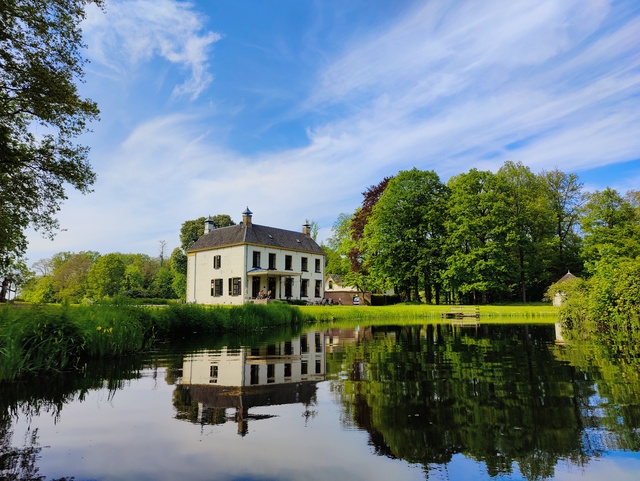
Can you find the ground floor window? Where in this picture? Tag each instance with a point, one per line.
(288, 287)
(216, 287)
(318, 285)
(235, 286)
(304, 288)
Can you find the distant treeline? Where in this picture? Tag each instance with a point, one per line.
(76, 277)
(481, 237)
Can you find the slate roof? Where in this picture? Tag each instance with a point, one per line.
(256, 235)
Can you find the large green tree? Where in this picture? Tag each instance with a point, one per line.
(565, 197)
(405, 234)
(105, 278)
(40, 64)
(527, 229)
(337, 247)
(70, 273)
(477, 262)
(610, 222)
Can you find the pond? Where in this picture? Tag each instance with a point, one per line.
(447, 401)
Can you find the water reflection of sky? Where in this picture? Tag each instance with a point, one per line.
(146, 431)
(134, 435)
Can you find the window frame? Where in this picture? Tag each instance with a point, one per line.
(216, 287)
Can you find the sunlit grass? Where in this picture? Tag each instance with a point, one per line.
(510, 313)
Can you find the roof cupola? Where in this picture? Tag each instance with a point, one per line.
(209, 225)
(246, 217)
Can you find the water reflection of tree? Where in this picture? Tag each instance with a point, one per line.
(614, 365)
(495, 394)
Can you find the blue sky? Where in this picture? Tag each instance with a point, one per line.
(293, 108)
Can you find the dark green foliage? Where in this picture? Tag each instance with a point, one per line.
(40, 65)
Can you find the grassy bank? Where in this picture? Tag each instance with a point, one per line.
(55, 338)
(429, 313)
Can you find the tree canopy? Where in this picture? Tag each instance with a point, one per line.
(40, 66)
(483, 237)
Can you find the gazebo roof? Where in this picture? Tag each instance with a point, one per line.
(566, 277)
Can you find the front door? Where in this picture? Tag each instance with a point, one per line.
(271, 287)
(255, 287)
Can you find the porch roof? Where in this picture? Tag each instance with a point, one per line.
(258, 271)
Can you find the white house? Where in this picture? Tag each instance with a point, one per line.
(254, 263)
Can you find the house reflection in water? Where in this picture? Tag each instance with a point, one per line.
(240, 379)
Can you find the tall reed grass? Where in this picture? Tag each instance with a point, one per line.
(54, 338)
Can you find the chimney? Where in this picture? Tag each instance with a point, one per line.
(209, 225)
(306, 228)
(246, 217)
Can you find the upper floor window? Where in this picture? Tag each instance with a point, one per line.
(217, 262)
(304, 264)
(288, 263)
(256, 258)
(272, 261)
(317, 265)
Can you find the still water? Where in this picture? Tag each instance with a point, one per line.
(411, 402)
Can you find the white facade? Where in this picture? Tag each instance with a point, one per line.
(251, 263)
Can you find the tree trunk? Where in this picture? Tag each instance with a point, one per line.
(4, 289)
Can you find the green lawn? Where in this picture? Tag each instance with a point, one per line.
(493, 314)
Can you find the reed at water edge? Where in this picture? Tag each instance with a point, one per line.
(42, 338)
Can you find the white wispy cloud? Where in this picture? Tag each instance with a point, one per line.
(452, 84)
(129, 33)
